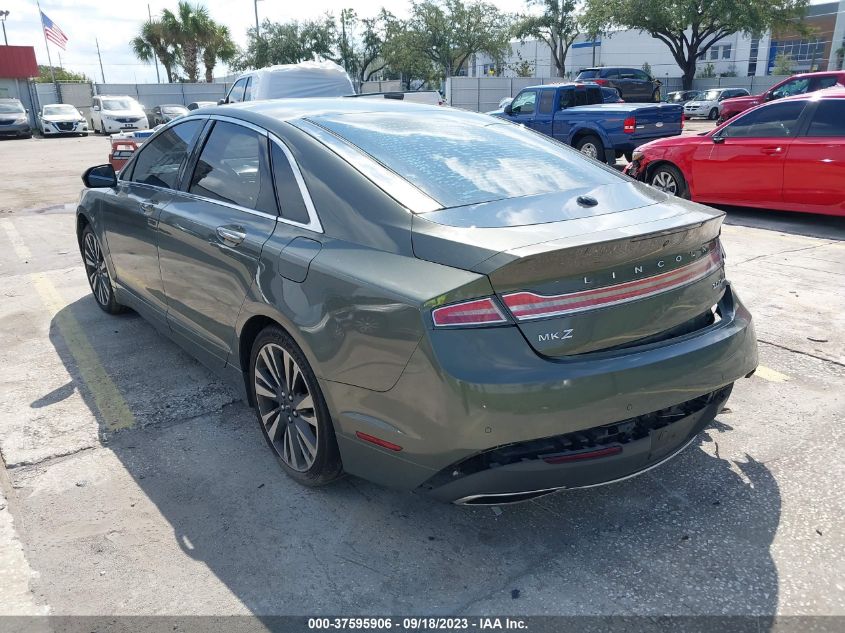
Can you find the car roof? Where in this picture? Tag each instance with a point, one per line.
(819, 73)
(562, 83)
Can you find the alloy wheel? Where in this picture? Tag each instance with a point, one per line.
(590, 150)
(666, 182)
(95, 268)
(286, 407)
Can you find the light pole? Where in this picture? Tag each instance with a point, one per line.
(3, 16)
(257, 32)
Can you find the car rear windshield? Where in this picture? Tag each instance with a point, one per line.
(589, 74)
(9, 108)
(464, 159)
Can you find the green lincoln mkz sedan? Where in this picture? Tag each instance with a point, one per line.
(427, 298)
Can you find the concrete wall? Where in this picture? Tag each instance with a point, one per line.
(483, 94)
(151, 95)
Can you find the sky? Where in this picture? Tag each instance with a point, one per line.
(115, 22)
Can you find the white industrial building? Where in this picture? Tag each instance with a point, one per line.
(743, 54)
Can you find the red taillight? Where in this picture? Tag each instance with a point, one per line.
(629, 125)
(575, 457)
(683, 120)
(601, 82)
(530, 305)
(378, 441)
(477, 312)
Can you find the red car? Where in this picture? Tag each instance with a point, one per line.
(795, 85)
(787, 155)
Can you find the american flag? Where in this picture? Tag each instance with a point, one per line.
(53, 32)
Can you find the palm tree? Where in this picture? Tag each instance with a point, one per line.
(153, 42)
(186, 30)
(218, 46)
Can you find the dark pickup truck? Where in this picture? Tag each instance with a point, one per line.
(573, 113)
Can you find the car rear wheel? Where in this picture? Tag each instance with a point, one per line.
(714, 114)
(291, 410)
(591, 146)
(668, 179)
(98, 273)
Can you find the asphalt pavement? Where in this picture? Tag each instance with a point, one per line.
(132, 482)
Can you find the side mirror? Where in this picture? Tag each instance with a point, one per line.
(509, 110)
(221, 102)
(718, 140)
(769, 95)
(96, 108)
(100, 177)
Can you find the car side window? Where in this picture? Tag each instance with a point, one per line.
(567, 98)
(160, 159)
(547, 99)
(794, 87)
(610, 74)
(825, 82)
(580, 97)
(248, 89)
(594, 95)
(775, 121)
(291, 203)
(233, 168)
(236, 95)
(524, 102)
(829, 119)
(641, 75)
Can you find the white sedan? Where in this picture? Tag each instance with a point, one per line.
(707, 104)
(61, 118)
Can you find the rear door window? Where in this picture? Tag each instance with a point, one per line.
(594, 95)
(567, 98)
(641, 75)
(233, 168)
(829, 119)
(547, 99)
(779, 120)
(291, 203)
(580, 97)
(160, 159)
(824, 82)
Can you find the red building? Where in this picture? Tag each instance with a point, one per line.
(16, 63)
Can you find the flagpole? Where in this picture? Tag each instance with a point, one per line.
(102, 72)
(46, 45)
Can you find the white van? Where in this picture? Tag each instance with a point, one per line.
(306, 79)
(117, 114)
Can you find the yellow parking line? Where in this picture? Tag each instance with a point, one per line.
(113, 410)
(771, 375)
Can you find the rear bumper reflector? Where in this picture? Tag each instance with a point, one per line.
(577, 457)
(377, 441)
(529, 305)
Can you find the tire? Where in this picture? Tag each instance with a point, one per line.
(93, 127)
(97, 273)
(629, 156)
(669, 179)
(591, 145)
(713, 114)
(103, 129)
(301, 436)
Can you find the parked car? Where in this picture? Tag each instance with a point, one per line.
(633, 84)
(794, 85)
(507, 361)
(165, 113)
(286, 81)
(787, 155)
(707, 105)
(14, 119)
(196, 105)
(117, 114)
(61, 118)
(575, 114)
(682, 96)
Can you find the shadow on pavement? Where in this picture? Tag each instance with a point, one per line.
(807, 224)
(691, 537)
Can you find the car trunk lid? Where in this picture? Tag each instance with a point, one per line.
(632, 266)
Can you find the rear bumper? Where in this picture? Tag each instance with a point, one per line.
(462, 396)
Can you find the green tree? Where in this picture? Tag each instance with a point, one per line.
(153, 42)
(186, 30)
(288, 43)
(449, 32)
(404, 62)
(646, 67)
(840, 57)
(44, 76)
(557, 26)
(783, 64)
(217, 45)
(689, 28)
(708, 72)
(360, 43)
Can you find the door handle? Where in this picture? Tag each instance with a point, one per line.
(770, 150)
(231, 236)
(148, 208)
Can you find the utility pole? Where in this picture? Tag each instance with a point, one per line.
(155, 59)
(3, 16)
(257, 31)
(102, 72)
